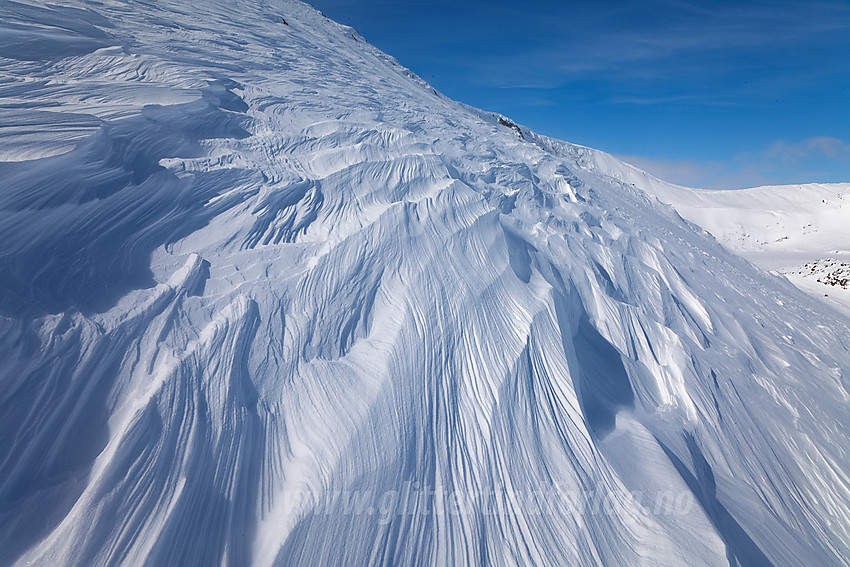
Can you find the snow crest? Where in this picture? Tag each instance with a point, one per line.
(268, 298)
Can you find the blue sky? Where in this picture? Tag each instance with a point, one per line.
(711, 94)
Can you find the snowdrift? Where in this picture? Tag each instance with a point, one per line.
(268, 298)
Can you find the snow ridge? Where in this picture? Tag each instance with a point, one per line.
(268, 298)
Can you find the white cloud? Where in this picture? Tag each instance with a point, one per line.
(818, 146)
(709, 175)
(782, 162)
(681, 172)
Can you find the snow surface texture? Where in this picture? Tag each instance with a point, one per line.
(268, 298)
(801, 231)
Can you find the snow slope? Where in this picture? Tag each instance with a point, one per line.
(801, 231)
(267, 298)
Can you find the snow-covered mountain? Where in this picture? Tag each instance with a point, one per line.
(801, 231)
(268, 298)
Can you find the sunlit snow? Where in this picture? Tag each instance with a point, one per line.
(268, 298)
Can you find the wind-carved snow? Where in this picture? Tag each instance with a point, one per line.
(800, 231)
(268, 298)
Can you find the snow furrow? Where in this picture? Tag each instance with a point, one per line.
(268, 298)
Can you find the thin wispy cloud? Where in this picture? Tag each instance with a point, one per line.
(820, 146)
(812, 156)
(679, 39)
(684, 172)
(690, 98)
